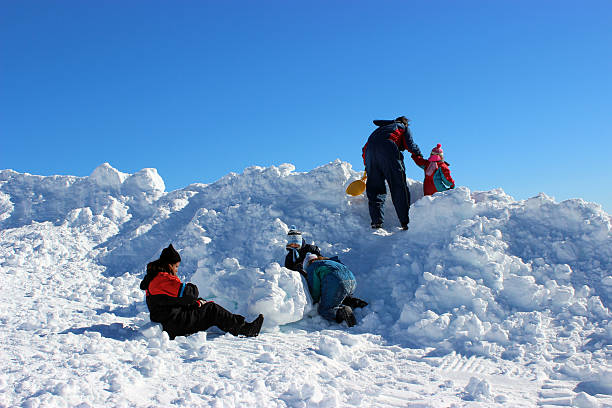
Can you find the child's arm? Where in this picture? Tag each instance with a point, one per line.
(419, 160)
(313, 249)
(314, 283)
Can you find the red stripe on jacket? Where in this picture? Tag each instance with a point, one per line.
(165, 284)
(398, 138)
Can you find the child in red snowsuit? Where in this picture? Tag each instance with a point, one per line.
(437, 173)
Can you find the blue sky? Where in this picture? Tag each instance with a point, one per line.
(519, 93)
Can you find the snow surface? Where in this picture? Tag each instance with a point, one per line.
(485, 301)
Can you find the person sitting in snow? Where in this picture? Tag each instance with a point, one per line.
(297, 249)
(437, 173)
(332, 284)
(177, 306)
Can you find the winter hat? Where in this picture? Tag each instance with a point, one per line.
(403, 120)
(294, 236)
(309, 256)
(170, 255)
(437, 153)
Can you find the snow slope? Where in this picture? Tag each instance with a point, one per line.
(485, 301)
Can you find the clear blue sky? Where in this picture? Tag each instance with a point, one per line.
(518, 92)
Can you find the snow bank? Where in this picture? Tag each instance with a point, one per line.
(478, 273)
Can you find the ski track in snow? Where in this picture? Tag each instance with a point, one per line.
(75, 330)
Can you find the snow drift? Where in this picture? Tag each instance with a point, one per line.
(478, 273)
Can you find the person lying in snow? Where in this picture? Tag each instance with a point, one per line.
(297, 249)
(177, 306)
(332, 284)
(437, 173)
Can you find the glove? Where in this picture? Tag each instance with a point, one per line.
(200, 302)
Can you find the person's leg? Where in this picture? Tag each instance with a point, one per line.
(350, 300)
(354, 302)
(332, 294)
(376, 190)
(211, 314)
(400, 195)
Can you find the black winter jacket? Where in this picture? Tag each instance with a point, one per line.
(296, 265)
(172, 303)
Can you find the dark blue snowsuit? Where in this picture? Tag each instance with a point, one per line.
(329, 282)
(384, 160)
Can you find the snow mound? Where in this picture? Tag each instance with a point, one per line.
(146, 181)
(478, 274)
(107, 177)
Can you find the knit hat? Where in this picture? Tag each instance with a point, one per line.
(307, 259)
(169, 255)
(403, 120)
(437, 153)
(294, 236)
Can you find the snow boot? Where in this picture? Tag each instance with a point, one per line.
(354, 302)
(376, 226)
(252, 329)
(237, 325)
(345, 314)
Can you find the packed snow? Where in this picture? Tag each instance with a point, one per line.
(484, 301)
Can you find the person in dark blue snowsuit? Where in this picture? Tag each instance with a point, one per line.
(329, 283)
(383, 159)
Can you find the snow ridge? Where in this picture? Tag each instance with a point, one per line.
(480, 283)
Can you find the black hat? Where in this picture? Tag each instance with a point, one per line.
(403, 119)
(170, 255)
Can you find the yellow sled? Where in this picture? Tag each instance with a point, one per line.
(357, 187)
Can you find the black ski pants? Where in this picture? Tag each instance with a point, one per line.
(384, 162)
(202, 318)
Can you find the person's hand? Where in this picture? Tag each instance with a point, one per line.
(200, 302)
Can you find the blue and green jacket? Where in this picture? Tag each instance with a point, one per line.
(318, 270)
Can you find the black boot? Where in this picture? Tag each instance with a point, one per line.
(354, 302)
(252, 329)
(237, 325)
(345, 314)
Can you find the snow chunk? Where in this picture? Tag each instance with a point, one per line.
(584, 400)
(107, 177)
(6, 206)
(280, 295)
(145, 180)
(477, 390)
(601, 383)
(330, 347)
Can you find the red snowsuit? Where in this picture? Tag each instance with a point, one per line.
(440, 180)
